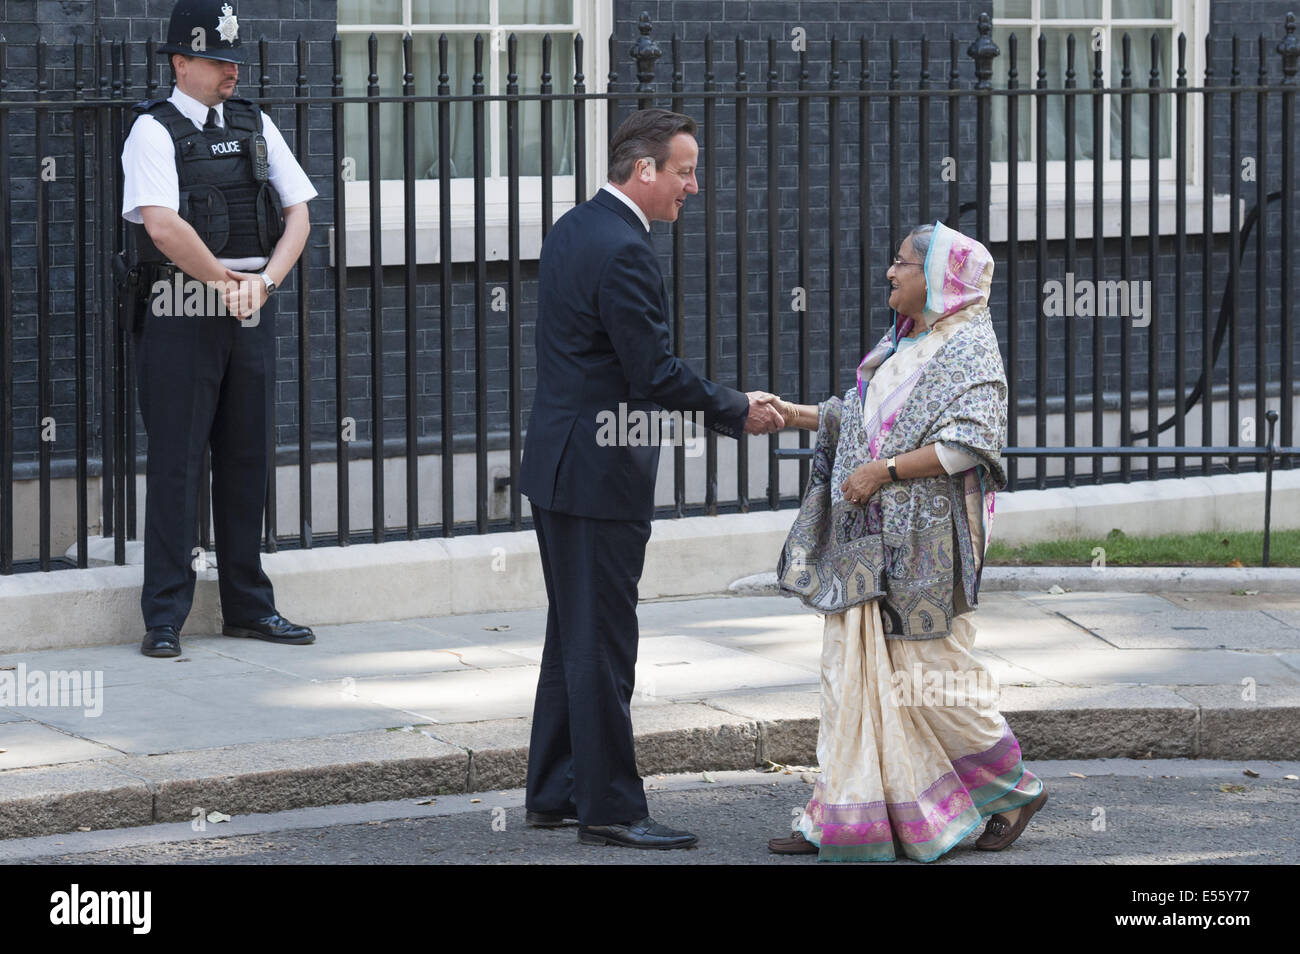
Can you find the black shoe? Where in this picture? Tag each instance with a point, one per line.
(548, 820)
(646, 833)
(161, 641)
(274, 629)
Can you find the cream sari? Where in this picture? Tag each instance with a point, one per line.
(912, 749)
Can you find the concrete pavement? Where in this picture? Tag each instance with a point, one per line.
(439, 705)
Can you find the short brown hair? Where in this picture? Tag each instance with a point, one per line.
(647, 132)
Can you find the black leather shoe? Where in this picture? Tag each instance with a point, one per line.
(646, 833)
(161, 641)
(274, 629)
(548, 820)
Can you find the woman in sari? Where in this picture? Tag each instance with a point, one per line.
(889, 544)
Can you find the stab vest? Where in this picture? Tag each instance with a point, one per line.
(235, 214)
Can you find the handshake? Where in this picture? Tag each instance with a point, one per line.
(765, 413)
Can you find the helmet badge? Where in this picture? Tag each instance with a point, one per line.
(228, 24)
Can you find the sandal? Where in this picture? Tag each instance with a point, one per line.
(999, 832)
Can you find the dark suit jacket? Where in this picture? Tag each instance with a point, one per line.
(602, 340)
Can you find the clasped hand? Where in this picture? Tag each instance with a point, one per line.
(244, 293)
(863, 483)
(763, 418)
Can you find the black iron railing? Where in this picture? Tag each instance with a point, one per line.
(770, 144)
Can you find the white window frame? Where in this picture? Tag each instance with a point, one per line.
(594, 20)
(1191, 17)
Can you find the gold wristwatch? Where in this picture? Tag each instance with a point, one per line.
(893, 474)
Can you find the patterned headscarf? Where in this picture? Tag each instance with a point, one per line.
(958, 278)
(958, 274)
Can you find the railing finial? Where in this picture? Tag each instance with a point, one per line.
(645, 51)
(1289, 47)
(983, 51)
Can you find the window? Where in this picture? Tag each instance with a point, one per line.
(1100, 23)
(461, 20)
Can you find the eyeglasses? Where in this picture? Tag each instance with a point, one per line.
(899, 261)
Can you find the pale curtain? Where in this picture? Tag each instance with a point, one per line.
(460, 70)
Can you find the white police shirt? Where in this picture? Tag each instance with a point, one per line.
(149, 168)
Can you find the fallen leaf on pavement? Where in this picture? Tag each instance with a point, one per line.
(475, 801)
(1251, 772)
(1235, 563)
(1078, 775)
(1232, 788)
(428, 801)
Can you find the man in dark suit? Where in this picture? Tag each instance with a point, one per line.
(602, 352)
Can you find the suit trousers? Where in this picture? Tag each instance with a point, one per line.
(205, 381)
(581, 758)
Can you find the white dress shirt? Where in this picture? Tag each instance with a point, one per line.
(149, 168)
(613, 190)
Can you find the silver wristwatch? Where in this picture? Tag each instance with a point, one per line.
(270, 283)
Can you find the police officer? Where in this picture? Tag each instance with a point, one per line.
(219, 211)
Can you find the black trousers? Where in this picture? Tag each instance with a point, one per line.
(205, 381)
(581, 760)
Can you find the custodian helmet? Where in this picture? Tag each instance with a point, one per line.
(206, 28)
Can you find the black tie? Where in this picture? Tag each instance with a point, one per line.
(212, 119)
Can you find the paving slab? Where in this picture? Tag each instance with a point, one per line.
(1128, 604)
(1007, 626)
(679, 666)
(1007, 673)
(341, 652)
(459, 695)
(1235, 600)
(123, 665)
(1290, 617)
(1159, 667)
(226, 710)
(1190, 629)
(26, 744)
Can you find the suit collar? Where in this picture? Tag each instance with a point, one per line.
(604, 199)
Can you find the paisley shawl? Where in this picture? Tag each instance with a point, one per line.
(911, 542)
